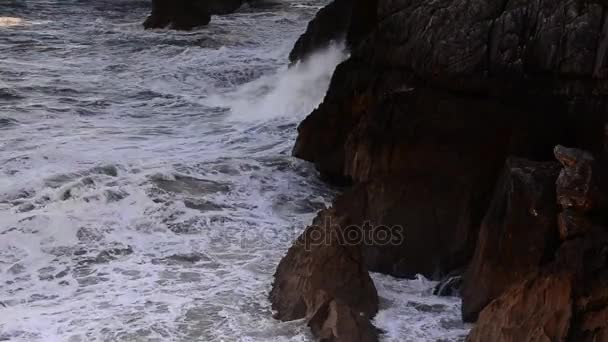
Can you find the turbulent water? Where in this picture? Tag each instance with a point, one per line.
(146, 186)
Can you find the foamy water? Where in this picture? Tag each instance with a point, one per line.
(147, 190)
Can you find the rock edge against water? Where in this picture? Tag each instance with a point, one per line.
(188, 14)
(450, 119)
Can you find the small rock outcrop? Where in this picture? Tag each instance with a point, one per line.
(187, 14)
(323, 278)
(329, 25)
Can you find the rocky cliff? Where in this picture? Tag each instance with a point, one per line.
(445, 121)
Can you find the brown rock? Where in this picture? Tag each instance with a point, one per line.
(538, 309)
(434, 99)
(566, 301)
(324, 279)
(517, 235)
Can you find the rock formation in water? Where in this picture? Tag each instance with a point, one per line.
(187, 14)
(445, 120)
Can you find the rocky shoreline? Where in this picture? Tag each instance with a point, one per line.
(449, 120)
(473, 136)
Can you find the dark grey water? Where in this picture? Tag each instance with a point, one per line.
(146, 186)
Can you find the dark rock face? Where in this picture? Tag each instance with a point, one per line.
(332, 24)
(422, 118)
(517, 234)
(323, 279)
(329, 25)
(432, 110)
(187, 14)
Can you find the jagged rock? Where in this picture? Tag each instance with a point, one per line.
(332, 24)
(329, 25)
(517, 235)
(323, 279)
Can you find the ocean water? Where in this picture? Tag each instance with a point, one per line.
(147, 190)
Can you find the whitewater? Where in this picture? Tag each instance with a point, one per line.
(147, 189)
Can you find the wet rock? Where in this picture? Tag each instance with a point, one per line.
(449, 286)
(517, 234)
(187, 14)
(179, 15)
(190, 185)
(324, 279)
(329, 25)
(188, 258)
(427, 307)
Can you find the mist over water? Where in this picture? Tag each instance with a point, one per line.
(147, 190)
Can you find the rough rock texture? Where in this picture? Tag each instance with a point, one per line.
(421, 120)
(523, 313)
(324, 279)
(518, 234)
(566, 300)
(435, 98)
(187, 14)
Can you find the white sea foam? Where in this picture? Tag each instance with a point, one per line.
(294, 90)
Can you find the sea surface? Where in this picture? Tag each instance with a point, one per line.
(147, 190)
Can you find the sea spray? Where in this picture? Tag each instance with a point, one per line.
(293, 91)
